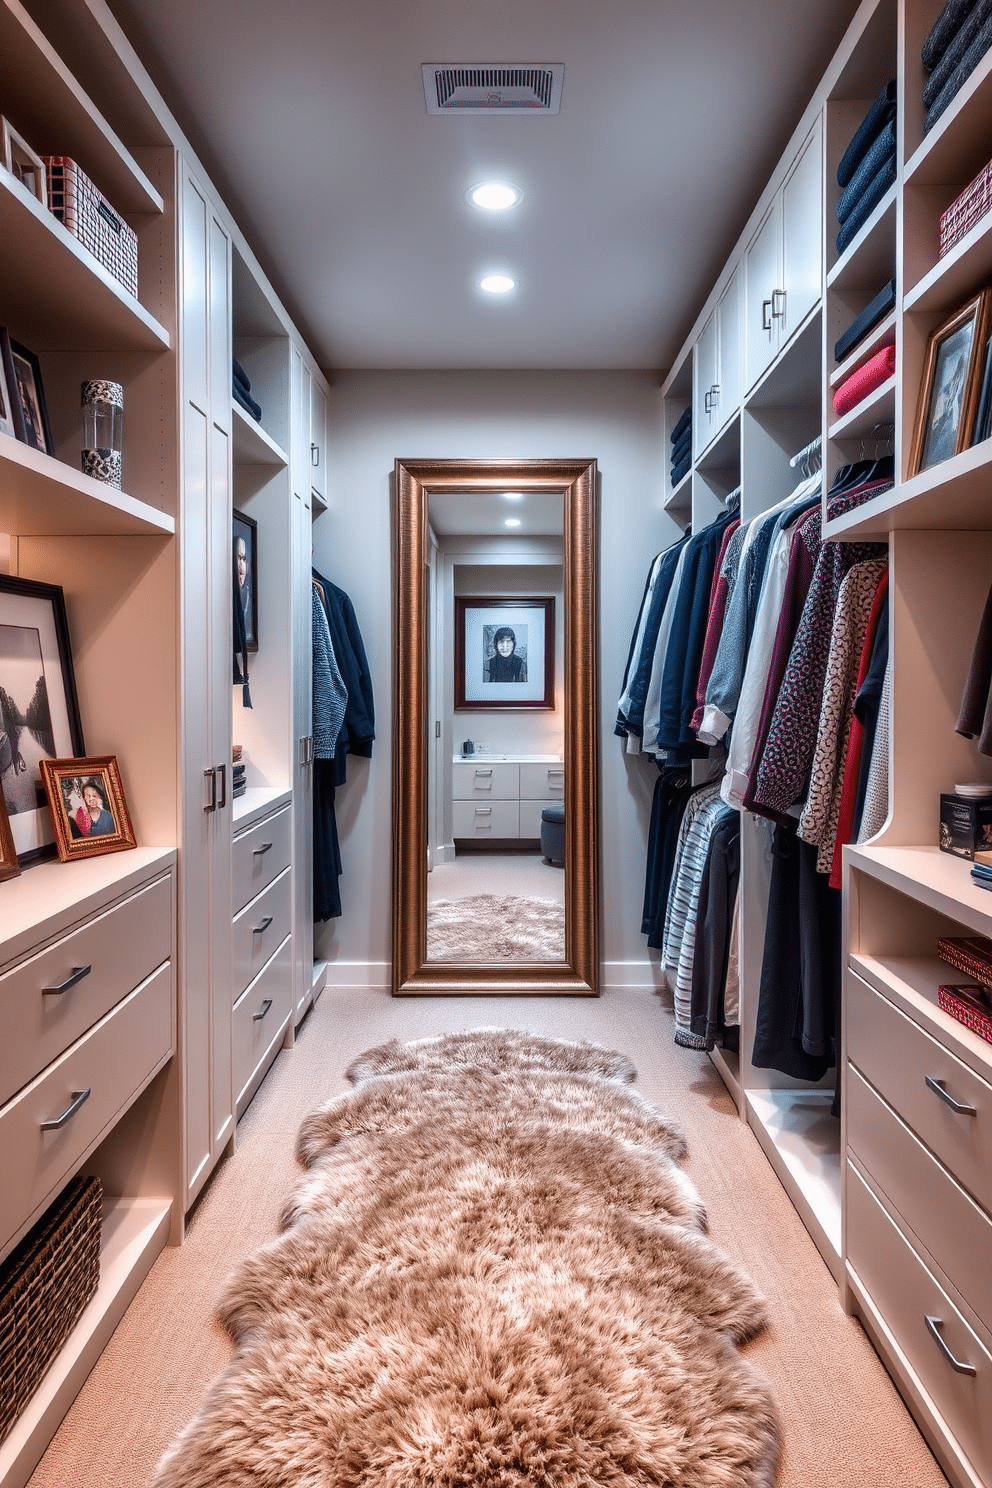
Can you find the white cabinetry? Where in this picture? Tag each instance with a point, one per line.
(318, 442)
(262, 935)
(717, 366)
(503, 800)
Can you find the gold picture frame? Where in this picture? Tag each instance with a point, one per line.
(89, 810)
(949, 393)
(9, 866)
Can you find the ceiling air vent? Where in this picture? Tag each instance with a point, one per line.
(503, 88)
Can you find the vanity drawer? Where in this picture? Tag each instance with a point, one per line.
(495, 819)
(530, 817)
(112, 1061)
(542, 782)
(941, 1215)
(897, 1056)
(260, 1015)
(906, 1294)
(470, 782)
(259, 856)
(120, 947)
(262, 925)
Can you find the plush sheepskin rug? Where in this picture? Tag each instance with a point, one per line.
(493, 1275)
(496, 927)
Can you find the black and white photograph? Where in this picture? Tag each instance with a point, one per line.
(245, 554)
(39, 717)
(951, 385)
(504, 653)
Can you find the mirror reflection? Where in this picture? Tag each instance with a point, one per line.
(496, 784)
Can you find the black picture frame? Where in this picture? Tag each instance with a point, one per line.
(8, 425)
(529, 682)
(28, 408)
(245, 529)
(39, 709)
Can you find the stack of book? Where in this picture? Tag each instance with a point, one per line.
(238, 782)
(969, 1002)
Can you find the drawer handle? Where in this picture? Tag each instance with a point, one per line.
(483, 772)
(79, 1098)
(937, 1086)
(78, 972)
(934, 1325)
(483, 811)
(766, 324)
(257, 929)
(261, 851)
(257, 1017)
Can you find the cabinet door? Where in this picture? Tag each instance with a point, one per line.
(761, 269)
(705, 386)
(318, 435)
(729, 378)
(802, 236)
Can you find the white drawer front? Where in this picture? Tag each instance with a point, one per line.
(897, 1056)
(259, 928)
(941, 1215)
(260, 1015)
(542, 782)
(259, 856)
(112, 1062)
(906, 1294)
(530, 817)
(120, 947)
(492, 819)
(473, 782)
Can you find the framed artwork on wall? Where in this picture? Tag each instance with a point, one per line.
(504, 653)
(27, 395)
(39, 714)
(952, 376)
(245, 554)
(89, 811)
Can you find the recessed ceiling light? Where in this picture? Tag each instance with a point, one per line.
(497, 284)
(513, 496)
(511, 522)
(494, 196)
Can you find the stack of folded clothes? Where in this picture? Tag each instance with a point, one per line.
(241, 389)
(682, 447)
(869, 318)
(854, 389)
(239, 783)
(959, 39)
(868, 167)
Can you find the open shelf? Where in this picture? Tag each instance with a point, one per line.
(957, 274)
(884, 334)
(252, 446)
(958, 146)
(802, 1142)
(680, 499)
(257, 801)
(41, 496)
(931, 877)
(869, 261)
(911, 982)
(953, 495)
(878, 408)
(57, 291)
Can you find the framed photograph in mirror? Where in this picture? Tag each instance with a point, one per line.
(952, 375)
(504, 653)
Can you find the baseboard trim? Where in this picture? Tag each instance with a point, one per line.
(631, 976)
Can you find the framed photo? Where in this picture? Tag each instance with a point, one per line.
(27, 396)
(952, 377)
(245, 554)
(23, 163)
(39, 715)
(89, 812)
(504, 653)
(7, 425)
(9, 866)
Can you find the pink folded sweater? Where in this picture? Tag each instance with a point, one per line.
(865, 380)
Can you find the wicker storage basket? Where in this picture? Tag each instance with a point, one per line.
(86, 213)
(974, 1018)
(973, 203)
(44, 1285)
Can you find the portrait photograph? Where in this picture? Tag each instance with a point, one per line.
(951, 385)
(89, 812)
(245, 555)
(39, 714)
(504, 653)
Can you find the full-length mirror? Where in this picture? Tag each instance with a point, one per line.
(495, 783)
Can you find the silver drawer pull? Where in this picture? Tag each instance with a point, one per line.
(483, 811)
(257, 929)
(261, 851)
(79, 1098)
(78, 972)
(937, 1086)
(257, 1017)
(934, 1325)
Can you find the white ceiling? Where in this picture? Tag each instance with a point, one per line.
(310, 114)
(476, 513)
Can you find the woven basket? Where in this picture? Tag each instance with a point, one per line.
(86, 213)
(44, 1285)
(970, 207)
(971, 1017)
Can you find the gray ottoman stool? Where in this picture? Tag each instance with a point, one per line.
(553, 832)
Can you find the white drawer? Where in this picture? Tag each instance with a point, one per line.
(545, 782)
(260, 1015)
(259, 856)
(906, 1294)
(112, 1061)
(530, 817)
(938, 1211)
(120, 948)
(478, 820)
(471, 781)
(897, 1056)
(262, 925)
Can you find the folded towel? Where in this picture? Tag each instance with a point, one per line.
(958, 49)
(240, 375)
(682, 448)
(854, 389)
(678, 471)
(950, 21)
(247, 403)
(976, 51)
(881, 112)
(685, 422)
(877, 154)
(869, 317)
(869, 201)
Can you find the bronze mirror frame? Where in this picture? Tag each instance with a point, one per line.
(413, 974)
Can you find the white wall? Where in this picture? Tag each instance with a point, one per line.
(375, 417)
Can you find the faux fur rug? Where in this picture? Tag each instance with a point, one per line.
(495, 927)
(494, 1274)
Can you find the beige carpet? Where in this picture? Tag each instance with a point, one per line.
(844, 1424)
(495, 927)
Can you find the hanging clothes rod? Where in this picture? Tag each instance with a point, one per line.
(810, 457)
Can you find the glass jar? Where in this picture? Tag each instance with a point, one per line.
(103, 430)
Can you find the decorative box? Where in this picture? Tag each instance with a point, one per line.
(971, 954)
(45, 1283)
(969, 1006)
(969, 208)
(86, 213)
(966, 826)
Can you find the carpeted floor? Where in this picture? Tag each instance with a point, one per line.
(844, 1424)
